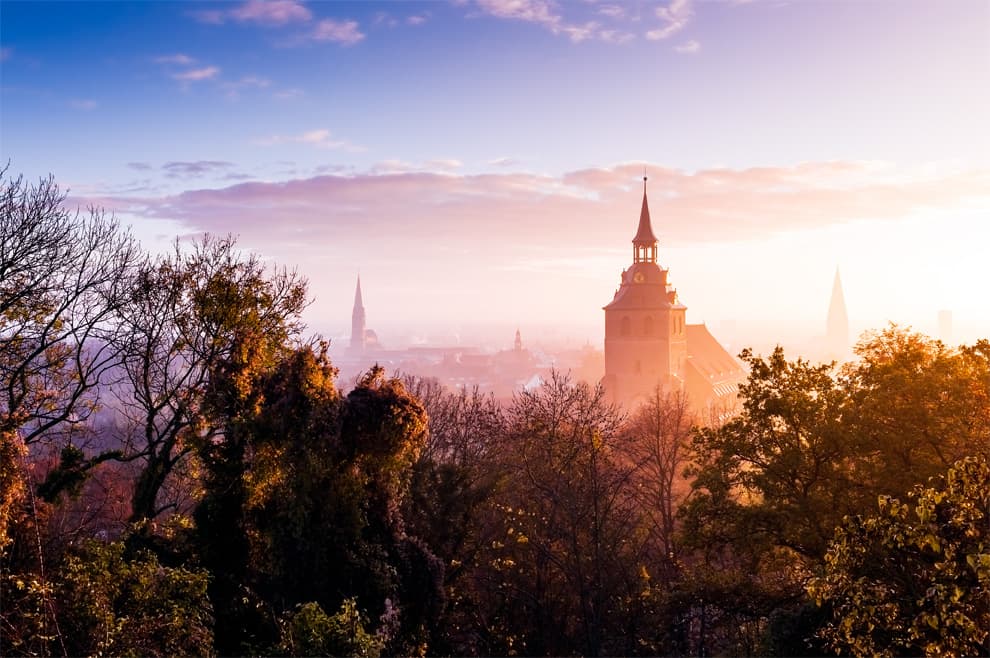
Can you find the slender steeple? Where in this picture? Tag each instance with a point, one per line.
(358, 320)
(837, 329)
(645, 242)
(518, 343)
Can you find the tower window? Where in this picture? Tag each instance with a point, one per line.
(648, 325)
(625, 327)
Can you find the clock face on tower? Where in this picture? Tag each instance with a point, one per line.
(638, 277)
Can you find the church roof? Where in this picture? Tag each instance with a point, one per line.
(642, 297)
(644, 235)
(710, 360)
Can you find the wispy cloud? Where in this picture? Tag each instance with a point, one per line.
(139, 166)
(289, 94)
(177, 58)
(6, 53)
(416, 19)
(279, 13)
(579, 33)
(270, 13)
(688, 47)
(616, 36)
(447, 164)
(612, 11)
(194, 168)
(533, 11)
(384, 18)
(234, 88)
(550, 16)
(344, 32)
(85, 104)
(503, 162)
(674, 17)
(320, 138)
(195, 75)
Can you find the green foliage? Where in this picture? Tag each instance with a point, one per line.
(776, 475)
(309, 631)
(812, 447)
(309, 487)
(915, 407)
(914, 578)
(112, 604)
(100, 601)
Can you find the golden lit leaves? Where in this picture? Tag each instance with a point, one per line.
(914, 580)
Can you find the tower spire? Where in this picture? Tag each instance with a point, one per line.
(358, 319)
(645, 242)
(837, 324)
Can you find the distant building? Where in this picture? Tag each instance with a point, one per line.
(362, 338)
(357, 320)
(648, 343)
(945, 326)
(837, 324)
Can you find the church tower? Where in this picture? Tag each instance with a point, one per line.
(837, 329)
(645, 333)
(358, 334)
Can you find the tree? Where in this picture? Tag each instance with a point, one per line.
(659, 440)
(914, 578)
(769, 487)
(777, 474)
(303, 504)
(309, 631)
(185, 316)
(559, 576)
(449, 506)
(63, 278)
(812, 447)
(915, 407)
(102, 601)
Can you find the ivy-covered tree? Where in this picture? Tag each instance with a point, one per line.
(310, 500)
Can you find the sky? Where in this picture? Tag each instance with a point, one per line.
(479, 162)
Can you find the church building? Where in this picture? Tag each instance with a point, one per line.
(648, 341)
(362, 338)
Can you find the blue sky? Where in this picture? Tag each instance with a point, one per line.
(485, 151)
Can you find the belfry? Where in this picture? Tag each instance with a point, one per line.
(647, 340)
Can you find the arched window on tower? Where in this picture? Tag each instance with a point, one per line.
(625, 327)
(648, 325)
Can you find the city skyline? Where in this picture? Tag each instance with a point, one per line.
(479, 163)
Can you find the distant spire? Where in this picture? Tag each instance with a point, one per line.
(358, 319)
(518, 344)
(837, 325)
